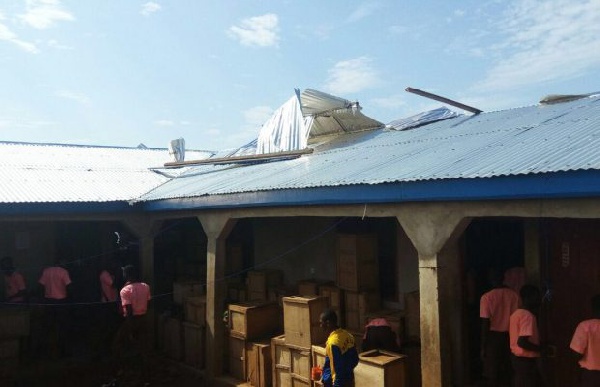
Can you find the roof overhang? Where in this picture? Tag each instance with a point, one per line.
(577, 184)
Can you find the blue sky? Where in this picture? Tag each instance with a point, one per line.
(124, 72)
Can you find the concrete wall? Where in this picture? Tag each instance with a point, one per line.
(273, 237)
(31, 245)
(408, 265)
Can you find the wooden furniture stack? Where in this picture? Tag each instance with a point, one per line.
(261, 281)
(378, 368)
(252, 324)
(194, 331)
(318, 355)
(358, 276)
(336, 300)
(302, 331)
(282, 362)
(186, 288)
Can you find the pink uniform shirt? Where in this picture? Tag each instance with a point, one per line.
(586, 341)
(136, 294)
(498, 305)
(523, 323)
(109, 293)
(55, 280)
(14, 284)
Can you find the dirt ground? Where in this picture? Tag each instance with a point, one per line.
(81, 372)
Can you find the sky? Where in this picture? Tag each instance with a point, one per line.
(126, 72)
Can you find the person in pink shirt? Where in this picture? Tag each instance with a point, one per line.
(495, 308)
(16, 290)
(586, 343)
(55, 281)
(107, 286)
(525, 340)
(132, 334)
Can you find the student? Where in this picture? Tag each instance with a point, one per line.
(525, 341)
(132, 333)
(586, 343)
(16, 290)
(379, 335)
(495, 308)
(341, 354)
(108, 291)
(55, 280)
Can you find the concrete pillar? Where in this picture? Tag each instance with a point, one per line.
(452, 306)
(429, 229)
(216, 228)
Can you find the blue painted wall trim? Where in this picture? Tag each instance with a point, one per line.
(571, 184)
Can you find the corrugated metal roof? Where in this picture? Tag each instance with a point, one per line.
(46, 173)
(528, 140)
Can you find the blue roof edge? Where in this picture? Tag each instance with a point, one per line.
(570, 184)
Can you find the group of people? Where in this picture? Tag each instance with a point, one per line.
(510, 340)
(125, 307)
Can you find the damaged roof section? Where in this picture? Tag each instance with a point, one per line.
(541, 139)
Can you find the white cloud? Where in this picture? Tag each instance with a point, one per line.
(149, 8)
(364, 10)
(545, 40)
(55, 44)
(257, 31)
(350, 76)
(164, 123)
(7, 35)
(42, 14)
(73, 96)
(257, 115)
(390, 102)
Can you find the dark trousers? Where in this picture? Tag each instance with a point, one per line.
(131, 345)
(57, 325)
(526, 371)
(590, 378)
(497, 369)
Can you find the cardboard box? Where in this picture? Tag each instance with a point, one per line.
(378, 368)
(301, 321)
(255, 320)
